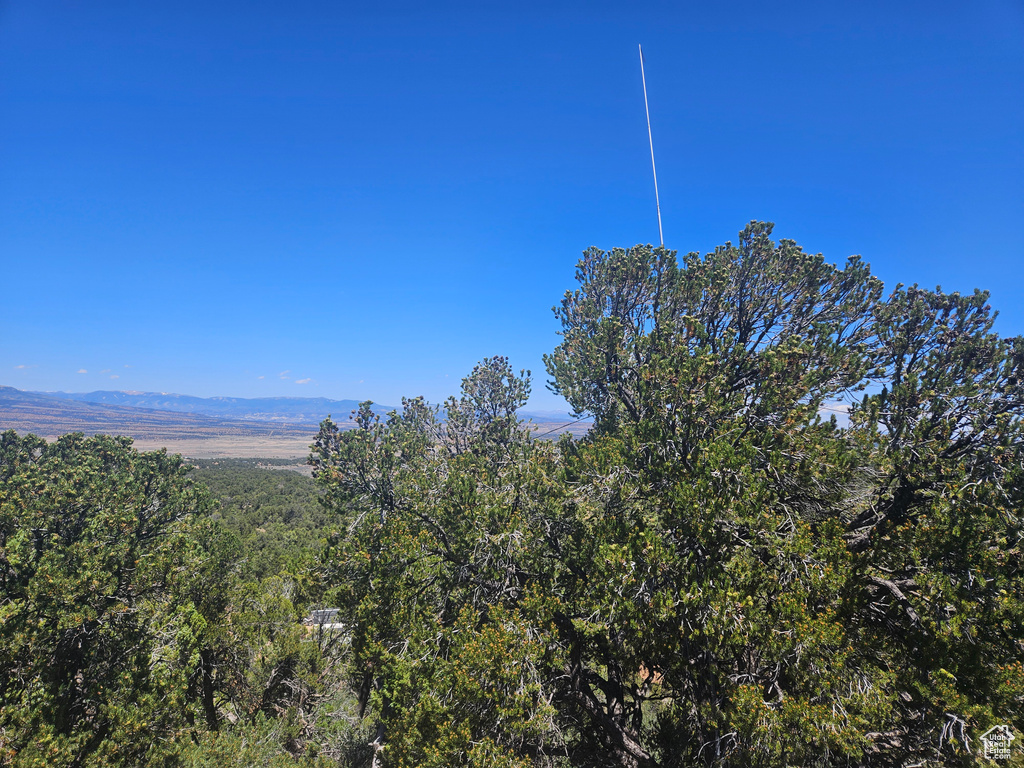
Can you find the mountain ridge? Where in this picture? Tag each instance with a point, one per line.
(291, 409)
(300, 410)
(266, 434)
(51, 416)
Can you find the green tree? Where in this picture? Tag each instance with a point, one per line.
(437, 515)
(806, 593)
(717, 574)
(89, 540)
(937, 543)
(711, 486)
(134, 627)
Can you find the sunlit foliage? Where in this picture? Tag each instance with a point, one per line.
(722, 572)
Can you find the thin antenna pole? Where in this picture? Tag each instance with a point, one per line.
(650, 138)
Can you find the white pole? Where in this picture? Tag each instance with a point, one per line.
(650, 138)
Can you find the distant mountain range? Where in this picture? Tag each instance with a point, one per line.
(159, 415)
(295, 410)
(48, 416)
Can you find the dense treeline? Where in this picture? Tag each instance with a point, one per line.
(721, 573)
(276, 513)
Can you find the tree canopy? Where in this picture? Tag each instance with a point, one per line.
(90, 645)
(138, 630)
(722, 572)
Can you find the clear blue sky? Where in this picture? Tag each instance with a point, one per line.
(363, 199)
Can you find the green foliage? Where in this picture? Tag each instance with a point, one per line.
(275, 512)
(90, 536)
(715, 575)
(134, 631)
(435, 512)
(268, 690)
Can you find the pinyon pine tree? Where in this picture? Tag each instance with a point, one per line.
(722, 572)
